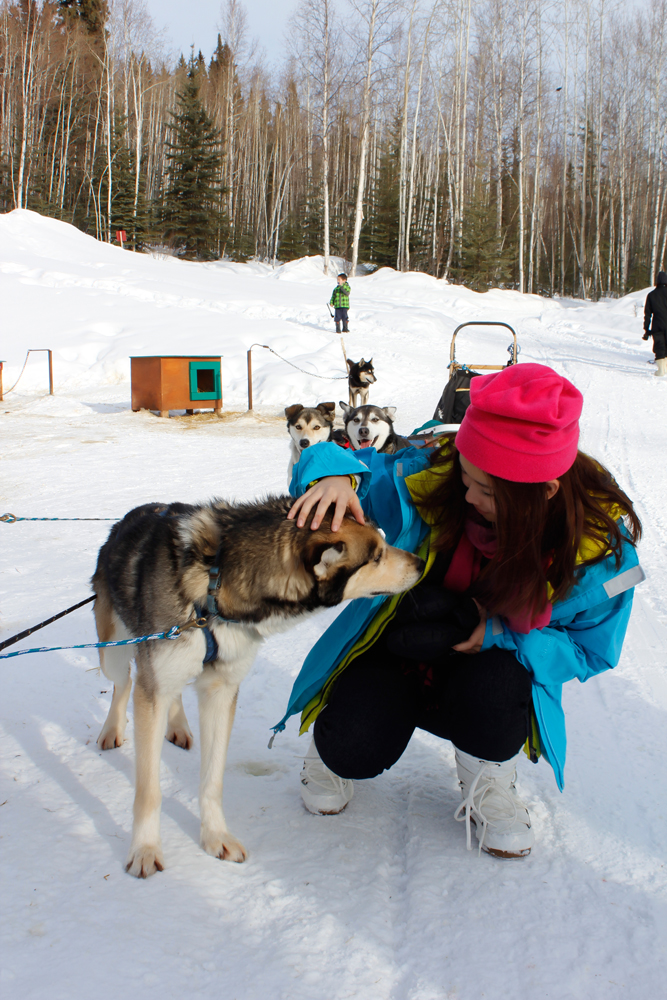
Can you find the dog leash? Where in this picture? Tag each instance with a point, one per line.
(327, 378)
(12, 518)
(172, 633)
(197, 621)
(35, 628)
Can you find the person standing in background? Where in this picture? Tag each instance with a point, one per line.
(340, 300)
(655, 321)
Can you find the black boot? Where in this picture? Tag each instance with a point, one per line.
(337, 327)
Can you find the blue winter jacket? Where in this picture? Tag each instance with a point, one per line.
(583, 638)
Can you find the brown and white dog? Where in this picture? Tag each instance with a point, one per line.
(244, 571)
(307, 425)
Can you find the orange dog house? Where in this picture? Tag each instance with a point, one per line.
(176, 382)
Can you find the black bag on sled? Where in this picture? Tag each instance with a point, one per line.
(455, 397)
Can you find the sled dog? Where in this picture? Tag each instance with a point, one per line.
(232, 574)
(360, 377)
(307, 425)
(372, 427)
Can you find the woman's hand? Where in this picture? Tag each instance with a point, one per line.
(330, 490)
(474, 643)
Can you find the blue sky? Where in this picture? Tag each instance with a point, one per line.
(196, 21)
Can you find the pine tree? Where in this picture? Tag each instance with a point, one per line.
(92, 14)
(378, 242)
(192, 218)
(123, 215)
(481, 262)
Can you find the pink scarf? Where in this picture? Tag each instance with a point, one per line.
(478, 542)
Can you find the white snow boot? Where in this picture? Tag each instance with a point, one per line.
(323, 791)
(490, 802)
(662, 366)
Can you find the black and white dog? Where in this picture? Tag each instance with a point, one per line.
(307, 425)
(372, 427)
(360, 376)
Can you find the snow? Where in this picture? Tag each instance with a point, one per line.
(383, 901)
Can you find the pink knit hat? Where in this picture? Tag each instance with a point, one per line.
(522, 424)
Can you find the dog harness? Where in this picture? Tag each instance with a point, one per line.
(211, 641)
(211, 613)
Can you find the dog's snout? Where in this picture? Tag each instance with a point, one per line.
(304, 443)
(364, 431)
(421, 565)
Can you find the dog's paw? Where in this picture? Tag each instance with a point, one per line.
(144, 861)
(110, 737)
(222, 845)
(180, 736)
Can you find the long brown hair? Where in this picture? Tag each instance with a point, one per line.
(538, 539)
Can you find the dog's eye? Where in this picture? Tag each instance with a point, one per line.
(378, 557)
(376, 420)
(317, 427)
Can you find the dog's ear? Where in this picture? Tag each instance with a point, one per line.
(345, 407)
(327, 410)
(291, 411)
(349, 364)
(324, 557)
(361, 363)
(390, 411)
(370, 362)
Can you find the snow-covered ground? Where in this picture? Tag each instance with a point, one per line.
(382, 901)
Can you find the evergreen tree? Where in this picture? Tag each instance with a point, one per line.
(91, 14)
(482, 262)
(123, 215)
(192, 218)
(379, 235)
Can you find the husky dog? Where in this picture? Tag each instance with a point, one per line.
(372, 427)
(229, 575)
(360, 377)
(307, 425)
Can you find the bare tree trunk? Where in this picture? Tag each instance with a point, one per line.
(401, 264)
(365, 125)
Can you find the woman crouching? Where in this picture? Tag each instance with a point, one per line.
(530, 570)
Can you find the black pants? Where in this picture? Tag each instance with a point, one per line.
(340, 315)
(660, 344)
(480, 702)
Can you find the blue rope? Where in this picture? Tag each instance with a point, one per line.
(11, 518)
(173, 633)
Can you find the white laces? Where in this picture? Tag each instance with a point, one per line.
(497, 812)
(316, 772)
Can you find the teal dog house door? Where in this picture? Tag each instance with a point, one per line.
(205, 380)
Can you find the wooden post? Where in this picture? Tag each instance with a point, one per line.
(50, 373)
(250, 379)
(1, 396)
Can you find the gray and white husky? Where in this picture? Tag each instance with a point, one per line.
(307, 425)
(372, 427)
(231, 574)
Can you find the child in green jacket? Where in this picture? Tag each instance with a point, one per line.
(340, 300)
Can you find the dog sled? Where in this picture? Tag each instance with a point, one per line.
(456, 395)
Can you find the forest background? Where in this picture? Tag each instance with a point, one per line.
(507, 143)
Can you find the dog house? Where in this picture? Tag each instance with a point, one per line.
(174, 382)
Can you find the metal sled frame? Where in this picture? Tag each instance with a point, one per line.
(455, 365)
